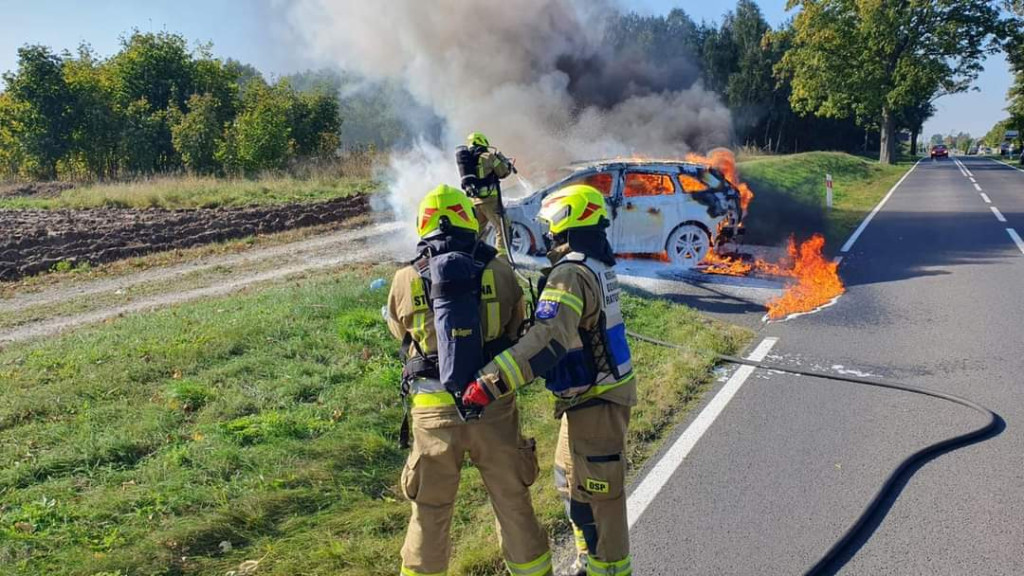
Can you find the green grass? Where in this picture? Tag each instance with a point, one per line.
(198, 192)
(790, 193)
(258, 427)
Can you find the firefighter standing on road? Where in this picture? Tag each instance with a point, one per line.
(449, 323)
(482, 168)
(579, 346)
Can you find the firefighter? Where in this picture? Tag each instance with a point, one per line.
(482, 168)
(450, 325)
(578, 345)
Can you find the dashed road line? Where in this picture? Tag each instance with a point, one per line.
(1016, 239)
(986, 198)
(973, 180)
(976, 187)
(662, 471)
(863, 225)
(998, 214)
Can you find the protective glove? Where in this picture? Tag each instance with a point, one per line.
(476, 395)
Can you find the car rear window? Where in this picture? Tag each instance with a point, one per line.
(602, 181)
(648, 184)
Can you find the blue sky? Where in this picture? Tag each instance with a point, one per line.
(255, 31)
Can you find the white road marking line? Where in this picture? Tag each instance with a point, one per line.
(976, 187)
(1016, 239)
(662, 471)
(860, 229)
(986, 198)
(974, 181)
(999, 215)
(838, 260)
(1007, 164)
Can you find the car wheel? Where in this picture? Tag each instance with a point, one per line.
(520, 241)
(688, 245)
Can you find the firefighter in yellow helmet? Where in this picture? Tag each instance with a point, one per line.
(482, 168)
(454, 307)
(578, 345)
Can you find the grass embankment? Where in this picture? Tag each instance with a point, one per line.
(790, 194)
(197, 192)
(259, 427)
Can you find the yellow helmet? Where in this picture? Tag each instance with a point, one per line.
(477, 139)
(576, 206)
(445, 203)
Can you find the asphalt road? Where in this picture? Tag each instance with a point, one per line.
(936, 299)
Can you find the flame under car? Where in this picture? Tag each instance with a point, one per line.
(667, 209)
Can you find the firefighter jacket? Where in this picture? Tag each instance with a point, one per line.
(410, 319)
(578, 343)
(491, 167)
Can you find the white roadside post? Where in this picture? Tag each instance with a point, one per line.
(828, 191)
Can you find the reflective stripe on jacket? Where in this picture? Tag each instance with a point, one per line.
(578, 295)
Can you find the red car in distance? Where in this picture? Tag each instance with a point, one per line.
(939, 151)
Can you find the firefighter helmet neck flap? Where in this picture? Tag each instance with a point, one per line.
(576, 215)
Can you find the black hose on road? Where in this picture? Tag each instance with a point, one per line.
(857, 534)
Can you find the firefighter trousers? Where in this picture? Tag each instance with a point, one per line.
(590, 474)
(508, 466)
(489, 210)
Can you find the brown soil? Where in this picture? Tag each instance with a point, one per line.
(33, 241)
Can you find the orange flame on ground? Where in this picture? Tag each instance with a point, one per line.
(816, 278)
(723, 160)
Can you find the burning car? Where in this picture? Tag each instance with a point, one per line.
(676, 209)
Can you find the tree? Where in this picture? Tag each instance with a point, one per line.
(196, 134)
(43, 109)
(751, 87)
(95, 121)
(260, 137)
(140, 144)
(316, 124)
(11, 153)
(871, 59)
(913, 118)
(936, 139)
(1014, 45)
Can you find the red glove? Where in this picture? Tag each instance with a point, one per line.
(476, 395)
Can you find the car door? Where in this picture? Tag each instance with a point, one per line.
(640, 218)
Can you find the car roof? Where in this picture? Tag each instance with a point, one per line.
(632, 163)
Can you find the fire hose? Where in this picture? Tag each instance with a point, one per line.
(847, 545)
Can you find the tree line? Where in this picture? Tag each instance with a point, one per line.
(839, 75)
(155, 106)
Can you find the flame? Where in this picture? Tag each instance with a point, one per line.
(723, 160)
(815, 278)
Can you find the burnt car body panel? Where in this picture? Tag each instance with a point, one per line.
(646, 201)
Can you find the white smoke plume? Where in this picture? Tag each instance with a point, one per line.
(536, 76)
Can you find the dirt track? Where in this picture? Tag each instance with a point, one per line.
(67, 306)
(33, 241)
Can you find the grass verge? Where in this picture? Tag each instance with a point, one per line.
(790, 194)
(258, 427)
(197, 192)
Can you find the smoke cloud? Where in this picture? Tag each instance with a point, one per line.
(539, 77)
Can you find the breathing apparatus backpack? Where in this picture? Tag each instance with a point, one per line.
(452, 284)
(467, 162)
